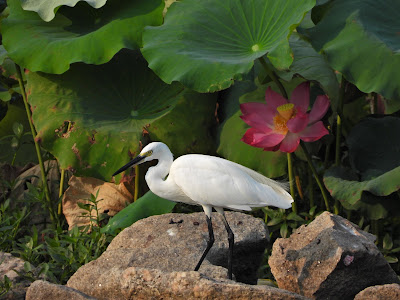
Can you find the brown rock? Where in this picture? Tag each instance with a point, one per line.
(43, 290)
(187, 235)
(380, 292)
(175, 242)
(329, 257)
(138, 283)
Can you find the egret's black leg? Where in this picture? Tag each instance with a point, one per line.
(231, 239)
(210, 242)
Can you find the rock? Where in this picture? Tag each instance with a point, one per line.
(8, 267)
(43, 290)
(175, 242)
(139, 283)
(329, 257)
(380, 292)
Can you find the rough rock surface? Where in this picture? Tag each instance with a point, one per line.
(8, 265)
(380, 292)
(175, 242)
(43, 290)
(329, 257)
(138, 283)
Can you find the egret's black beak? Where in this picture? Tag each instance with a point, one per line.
(133, 162)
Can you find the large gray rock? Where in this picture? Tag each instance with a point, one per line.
(380, 292)
(43, 290)
(329, 257)
(175, 242)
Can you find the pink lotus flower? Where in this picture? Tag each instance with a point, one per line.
(280, 124)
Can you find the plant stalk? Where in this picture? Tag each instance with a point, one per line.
(339, 121)
(289, 158)
(62, 179)
(316, 176)
(37, 147)
(291, 181)
(136, 192)
(273, 77)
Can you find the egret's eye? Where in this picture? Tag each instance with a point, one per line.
(148, 153)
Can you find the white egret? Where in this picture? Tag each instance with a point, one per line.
(211, 182)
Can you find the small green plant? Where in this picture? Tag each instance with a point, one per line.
(15, 139)
(10, 224)
(5, 285)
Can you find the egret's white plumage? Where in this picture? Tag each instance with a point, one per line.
(209, 181)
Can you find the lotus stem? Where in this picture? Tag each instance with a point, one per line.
(136, 192)
(289, 158)
(62, 179)
(291, 181)
(37, 147)
(316, 176)
(273, 77)
(339, 121)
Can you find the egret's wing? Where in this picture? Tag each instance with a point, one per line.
(214, 181)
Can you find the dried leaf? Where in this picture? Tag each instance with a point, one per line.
(111, 199)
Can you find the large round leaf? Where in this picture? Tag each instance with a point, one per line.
(343, 185)
(374, 146)
(107, 105)
(312, 66)
(271, 164)
(216, 41)
(78, 34)
(46, 8)
(360, 38)
(188, 127)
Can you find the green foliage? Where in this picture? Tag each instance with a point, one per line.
(188, 127)
(375, 168)
(46, 8)
(107, 111)
(355, 42)
(5, 285)
(311, 65)
(78, 34)
(216, 42)
(106, 103)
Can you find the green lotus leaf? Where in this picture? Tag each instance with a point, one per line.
(46, 8)
(374, 146)
(232, 129)
(107, 106)
(360, 39)
(312, 66)
(146, 206)
(343, 184)
(216, 41)
(187, 128)
(78, 34)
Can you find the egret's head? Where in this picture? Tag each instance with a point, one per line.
(152, 151)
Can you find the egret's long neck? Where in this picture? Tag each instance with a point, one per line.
(155, 176)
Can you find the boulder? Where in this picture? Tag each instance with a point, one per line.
(329, 257)
(380, 292)
(9, 266)
(175, 242)
(139, 283)
(43, 290)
